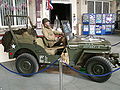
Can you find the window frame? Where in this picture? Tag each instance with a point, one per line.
(109, 6)
(102, 5)
(92, 7)
(95, 6)
(15, 23)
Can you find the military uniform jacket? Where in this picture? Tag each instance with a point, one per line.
(49, 35)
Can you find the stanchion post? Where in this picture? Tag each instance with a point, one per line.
(60, 75)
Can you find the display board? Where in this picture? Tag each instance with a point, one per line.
(109, 18)
(92, 18)
(108, 28)
(85, 28)
(92, 29)
(98, 23)
(86, 18)
(98, 29)
(98, 18)
(67, 29)
(103, 18)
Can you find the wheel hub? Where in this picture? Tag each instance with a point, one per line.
(98, 69)
(26, 65)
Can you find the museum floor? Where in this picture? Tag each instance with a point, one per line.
(49, 80)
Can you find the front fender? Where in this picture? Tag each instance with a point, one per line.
(92, 52)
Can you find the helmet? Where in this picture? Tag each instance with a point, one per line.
(45, 20)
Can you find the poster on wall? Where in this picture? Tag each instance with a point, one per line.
(98, 18)
(85, 28)
(92, 29)
(108, 28)
(104, 19)
(109, 18)
(86, 18)
(98, 29)
(92, 18)
(103, 27)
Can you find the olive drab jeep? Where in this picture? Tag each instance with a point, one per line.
(93, 54)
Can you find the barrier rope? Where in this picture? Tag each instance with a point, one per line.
(30, 73)
(91, 74)
(115, 44)
(65, 64)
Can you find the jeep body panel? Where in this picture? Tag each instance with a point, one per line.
(41, 55)
(78, 47)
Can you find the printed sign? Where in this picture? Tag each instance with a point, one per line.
(98, 18)
(92, 18)
(86, 18)
(108, 28)
(85, 28)
(98, 28)
(109, 18)
(92, 29)
(104, 18)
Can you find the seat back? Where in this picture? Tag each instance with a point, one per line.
(40, 42)
(25, 38)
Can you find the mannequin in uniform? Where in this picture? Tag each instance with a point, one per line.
(49, 35)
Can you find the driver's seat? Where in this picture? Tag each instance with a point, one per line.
(50, 51)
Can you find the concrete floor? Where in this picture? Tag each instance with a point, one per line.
(50, 80)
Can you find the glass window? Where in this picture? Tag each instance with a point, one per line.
(98, 7)
(90, 6)
(105, 7)
(13, 7)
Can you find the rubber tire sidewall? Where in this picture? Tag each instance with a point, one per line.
(102, 61)
(31, 59)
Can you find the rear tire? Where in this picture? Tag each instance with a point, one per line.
(26, 64)
(98, 65)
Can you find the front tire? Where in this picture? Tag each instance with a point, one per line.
(98, 65)
(26, 64)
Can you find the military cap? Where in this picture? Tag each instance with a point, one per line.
(45, 20)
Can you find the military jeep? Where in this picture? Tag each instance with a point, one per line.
(92, 53)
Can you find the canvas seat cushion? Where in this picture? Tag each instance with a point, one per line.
(53, 50)
(40, 42)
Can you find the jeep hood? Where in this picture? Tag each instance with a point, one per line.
(95, 41)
